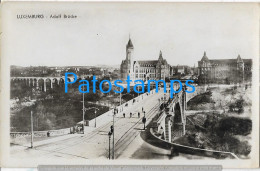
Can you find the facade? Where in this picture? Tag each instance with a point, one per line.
(181, 69)
(143, 69)
(224, 70)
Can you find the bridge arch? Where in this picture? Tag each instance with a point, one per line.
(40, 84)
(48, 84)
(31, 82)
(55, 82)
(61, 82)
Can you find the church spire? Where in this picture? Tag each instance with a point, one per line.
(239, 59)
(160, 55)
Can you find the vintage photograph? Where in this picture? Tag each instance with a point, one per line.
(192, 94)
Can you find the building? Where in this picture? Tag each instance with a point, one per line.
(181, 69)
(143, 69)
(224, 70)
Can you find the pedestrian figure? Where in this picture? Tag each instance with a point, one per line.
(124, 115)
(144, 120)
(48, 134)
(138, 114)
(142, 109)
(130, 114)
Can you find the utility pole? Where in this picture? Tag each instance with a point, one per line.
(31, 129)
(83, 113)
(94, 113)
(121, 101)
(120, 98)
(109, 139)
(95, 118)
(113, 155)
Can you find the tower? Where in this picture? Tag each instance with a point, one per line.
(159, 66)
(129, 59)
(240, 69)
(160, 56)
(129, 51)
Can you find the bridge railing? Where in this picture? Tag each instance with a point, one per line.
(15, 136)
(178, 148)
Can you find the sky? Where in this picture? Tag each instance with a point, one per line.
(99, 34)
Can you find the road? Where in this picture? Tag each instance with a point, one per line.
(94, 143)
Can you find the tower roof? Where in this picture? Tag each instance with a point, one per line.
(130, 44)
(160, 56)
(205, 58)
(239, 59)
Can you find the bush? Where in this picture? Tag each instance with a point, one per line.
(233, 126)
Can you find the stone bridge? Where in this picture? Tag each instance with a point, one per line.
(43, 83)
(172, 121)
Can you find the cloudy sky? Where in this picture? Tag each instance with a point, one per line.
(100, 32)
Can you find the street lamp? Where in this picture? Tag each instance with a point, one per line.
(95, 114)
(109, 139)
(113, 154)
(121, 102)
(31, 129)
(95, 118)
(83, 113)
(159, 105)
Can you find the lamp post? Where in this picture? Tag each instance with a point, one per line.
(121, 101)
(83, 113)
(113, 154)
(109, 139)
(31, 129)
(95, 114)
(159, 105)
(95, 118)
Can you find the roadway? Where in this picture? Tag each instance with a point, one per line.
(94, 143)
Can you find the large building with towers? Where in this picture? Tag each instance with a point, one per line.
(224, 70)
(143, 69)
